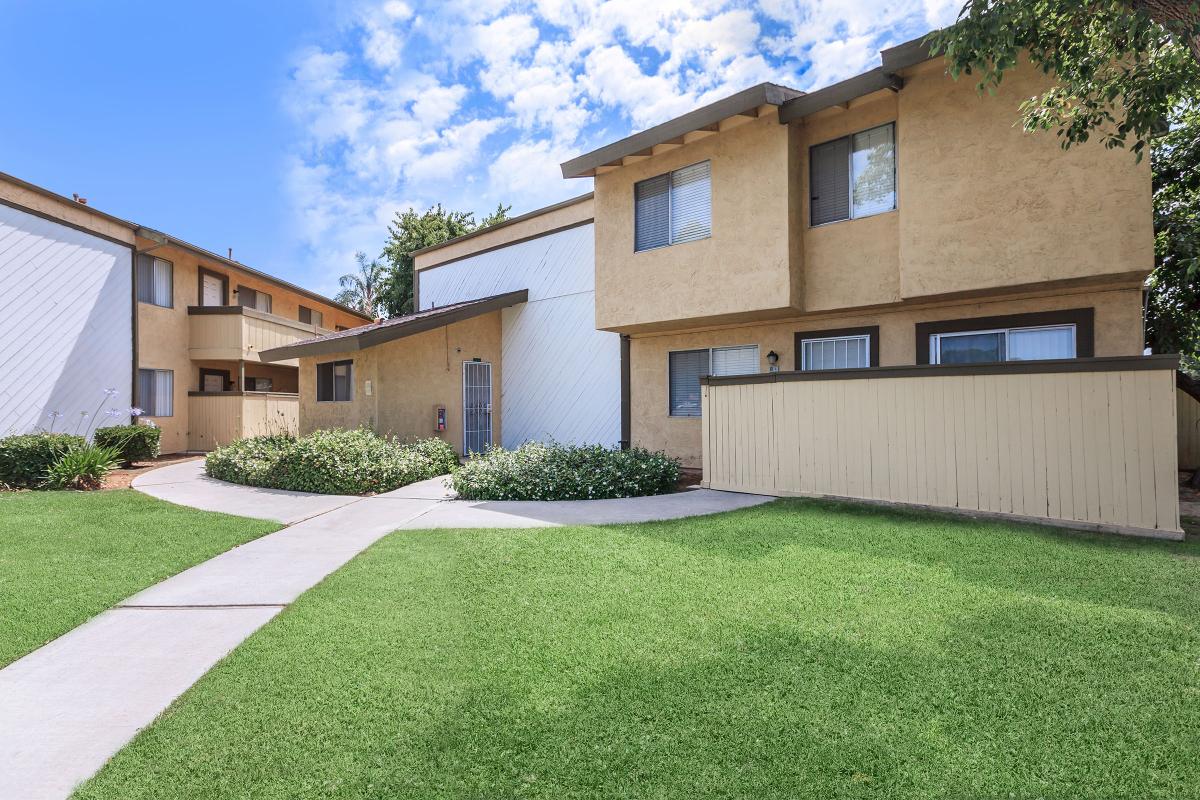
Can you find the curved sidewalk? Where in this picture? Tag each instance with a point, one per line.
(68, 707)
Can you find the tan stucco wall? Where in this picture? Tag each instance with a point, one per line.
(409, 377)
(981, 205)
(65, 210)
(745, 266)
(536, 223)
(1118, 332)
(163, 333)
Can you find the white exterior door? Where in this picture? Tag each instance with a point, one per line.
(211, 295)
(477, 406)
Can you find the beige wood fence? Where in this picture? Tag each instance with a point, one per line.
(1087, 441)
(1188, 413)
(217, 418)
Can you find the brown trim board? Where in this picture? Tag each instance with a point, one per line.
(870, 331)
(254, 312)
(1084, 320)
(1188, 385)
(626, 395)
(1106, 364)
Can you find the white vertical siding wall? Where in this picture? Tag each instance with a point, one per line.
(561, 378)
(66, 332)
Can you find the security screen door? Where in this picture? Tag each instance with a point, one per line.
(477, 406)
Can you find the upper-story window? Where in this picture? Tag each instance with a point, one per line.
(673, 208)
(252, 298)
(854, 176)
(155, 281)
(311, 316)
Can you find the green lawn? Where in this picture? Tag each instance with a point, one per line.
(801, 649)
(67, 556)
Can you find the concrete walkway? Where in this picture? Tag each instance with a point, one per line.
(68, 707)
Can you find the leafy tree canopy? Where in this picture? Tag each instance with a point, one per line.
(410, 232)
(361, 290)
(1121, 66)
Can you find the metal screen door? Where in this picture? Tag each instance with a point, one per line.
(477, 406)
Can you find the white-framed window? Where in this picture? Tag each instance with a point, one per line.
(155, 281)
(685, 368)
(1003, 344)
(335, 381)
(673, 208)
(836, 352)
(156, 392)
(854, 176)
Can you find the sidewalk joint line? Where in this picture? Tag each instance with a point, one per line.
(197, 606)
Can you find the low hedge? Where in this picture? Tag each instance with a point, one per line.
(132, 442)
(537, 471)
(331, 462)
(25, 460)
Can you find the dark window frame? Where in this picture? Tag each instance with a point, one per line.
(870, 331)
(331, 382)
(223, 373)
(151, 409)
(242, 288)
(1084, 320)
(138, 275)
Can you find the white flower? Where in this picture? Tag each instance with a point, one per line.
(134, 411)
(111, 392)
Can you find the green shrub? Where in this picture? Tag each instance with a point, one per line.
(537, 471)
(331, 462)
(25, 459)
(82, 467)
(133, 442)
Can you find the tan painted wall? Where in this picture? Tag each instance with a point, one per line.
(1086, 447)
(537, 223)
(164, 337)
(409, 377)
(66, 210)
(745, 266)
(1188, 414)
(981, 206)
(1118, 332)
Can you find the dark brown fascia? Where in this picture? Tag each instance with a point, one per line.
(893, 59)
(1188, 385)
(744, 102)
(350, 341)
(1109, 364)
(254, 312)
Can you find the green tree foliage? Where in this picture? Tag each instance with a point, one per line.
(410, 232)
(361, 290)
(1173, 307)
(1121, 66)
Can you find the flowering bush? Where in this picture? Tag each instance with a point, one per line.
(331, 462)
(25, 460)
(132, 442)
(537, 471)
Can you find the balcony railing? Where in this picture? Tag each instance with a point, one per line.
(231, 333)
(217, 418)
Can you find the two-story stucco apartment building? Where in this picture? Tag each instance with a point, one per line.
(90, 302)
(880, 238)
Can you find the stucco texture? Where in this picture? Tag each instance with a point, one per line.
(1118, 332)
(409, 378)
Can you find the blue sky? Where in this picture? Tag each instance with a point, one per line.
(293, 131)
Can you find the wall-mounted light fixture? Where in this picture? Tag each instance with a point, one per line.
(773, 361)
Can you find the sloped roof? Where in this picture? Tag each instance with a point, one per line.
(388, 330)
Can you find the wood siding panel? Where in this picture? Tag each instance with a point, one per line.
(214, 420)
(1095, 448)
(1188, 412)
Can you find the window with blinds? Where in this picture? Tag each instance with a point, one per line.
(155, 395)
(854, 176)
(835, 352)
(685, 368)
(1003, 344)
(673, 208)
(335, 381)
(252, 298)
(311, 316)
(742, 360)
(155, 281)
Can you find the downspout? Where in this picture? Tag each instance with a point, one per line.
(626, 404)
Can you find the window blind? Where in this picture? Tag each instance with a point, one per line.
(252, 298)
(335, 381)
(691, 203)
(1041, 343)
(155, 280)
(652, 212)
(874, 164)
(156, 392)
(829, 181)
(685, 368)
(741, 360)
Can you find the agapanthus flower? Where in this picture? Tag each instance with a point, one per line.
(55, 415)
(134, 411)
(111, 392)
(114, 413)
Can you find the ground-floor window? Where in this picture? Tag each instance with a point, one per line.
(1003, 344)
(844, 348)
(685, 368)
(335, 381)
(156, 389)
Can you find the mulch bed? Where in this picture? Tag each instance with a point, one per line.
(121, 478)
